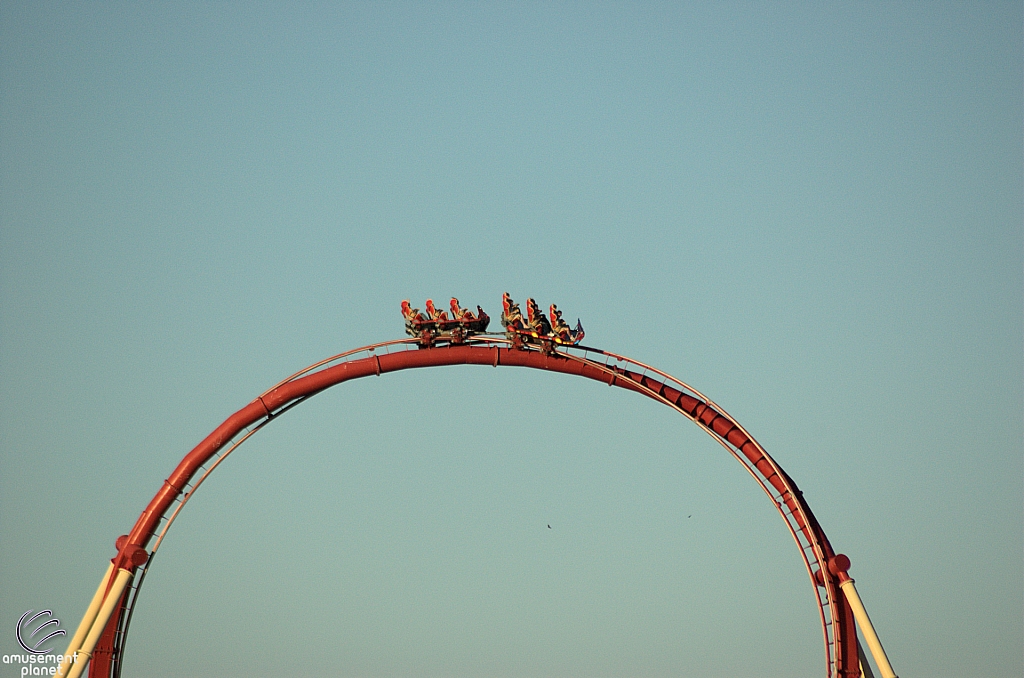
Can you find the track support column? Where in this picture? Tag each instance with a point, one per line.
(111, 601)
(868, 629)
(839, 566)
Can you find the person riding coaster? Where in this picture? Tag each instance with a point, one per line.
(536, 321)
(470, 322)
(415, 322)
(444, 323)
(563, 333)
(460, 313)
(435, 314)
(511, 316)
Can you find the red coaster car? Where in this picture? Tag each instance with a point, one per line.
(436, 325)
(537, 329)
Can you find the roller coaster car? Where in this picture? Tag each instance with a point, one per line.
(563, 333)
(470, 322)
(436, 325)
(537, 329)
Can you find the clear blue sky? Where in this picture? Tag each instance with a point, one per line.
(811, 212)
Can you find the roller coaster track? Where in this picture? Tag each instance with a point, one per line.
(103, 638)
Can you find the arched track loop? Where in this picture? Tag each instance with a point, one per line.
(836, 618)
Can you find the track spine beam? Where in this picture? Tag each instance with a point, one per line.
(837, 621)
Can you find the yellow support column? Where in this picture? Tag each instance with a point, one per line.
(864, 622)
(111, 600)
(86, 623)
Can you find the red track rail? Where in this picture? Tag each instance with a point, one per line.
(826, 577)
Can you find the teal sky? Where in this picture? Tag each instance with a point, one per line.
(812, 212)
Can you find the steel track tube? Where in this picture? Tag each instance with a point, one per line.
(866, 627)
(111, 601)
(840, 640)
(86, 623)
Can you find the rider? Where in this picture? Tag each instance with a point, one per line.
(511, 316)
(413, 318)
(459, 313)
(434, 313)
(536, 319)
(558, 326)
